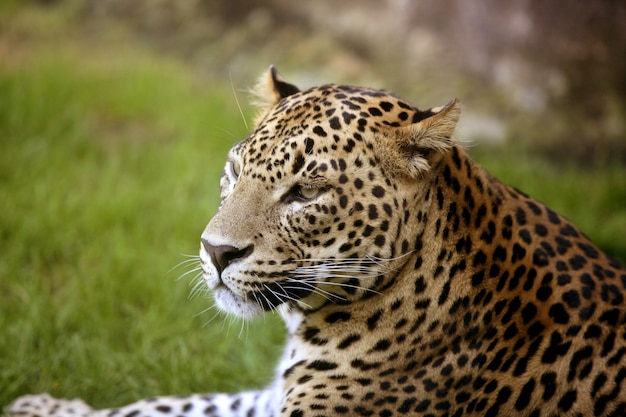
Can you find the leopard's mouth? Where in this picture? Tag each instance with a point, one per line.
(247, 299)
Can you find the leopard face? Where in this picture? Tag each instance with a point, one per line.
(314, 203)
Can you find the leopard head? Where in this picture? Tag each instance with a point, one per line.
(315, 201)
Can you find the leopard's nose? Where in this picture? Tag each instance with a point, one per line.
(224, 255)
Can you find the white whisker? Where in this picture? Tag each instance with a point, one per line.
(192, 259)
(323, 274)
(243, 117)
(315, 290)
(206, 310)
(216, 314)
(198, 288)
(191, 271)
(269, 303)
(243, 325)
(344, 285)
(287, 296)
(383, 263)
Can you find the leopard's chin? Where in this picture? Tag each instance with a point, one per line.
(232, 303)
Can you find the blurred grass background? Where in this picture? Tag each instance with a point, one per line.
(110, 155)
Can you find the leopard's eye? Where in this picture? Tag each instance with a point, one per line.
(303, 193)
(235, 168)
(308, 192)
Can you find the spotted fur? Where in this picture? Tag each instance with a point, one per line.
(410, 280)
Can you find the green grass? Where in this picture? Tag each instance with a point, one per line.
(109, 171)
(109, 167)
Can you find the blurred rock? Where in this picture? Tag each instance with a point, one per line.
(551, 73)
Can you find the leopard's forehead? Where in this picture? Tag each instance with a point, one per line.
(347, 107)
(329, 119)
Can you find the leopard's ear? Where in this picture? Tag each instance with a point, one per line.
(272, 88)
(422, 142)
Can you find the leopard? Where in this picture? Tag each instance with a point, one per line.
(411, 282)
